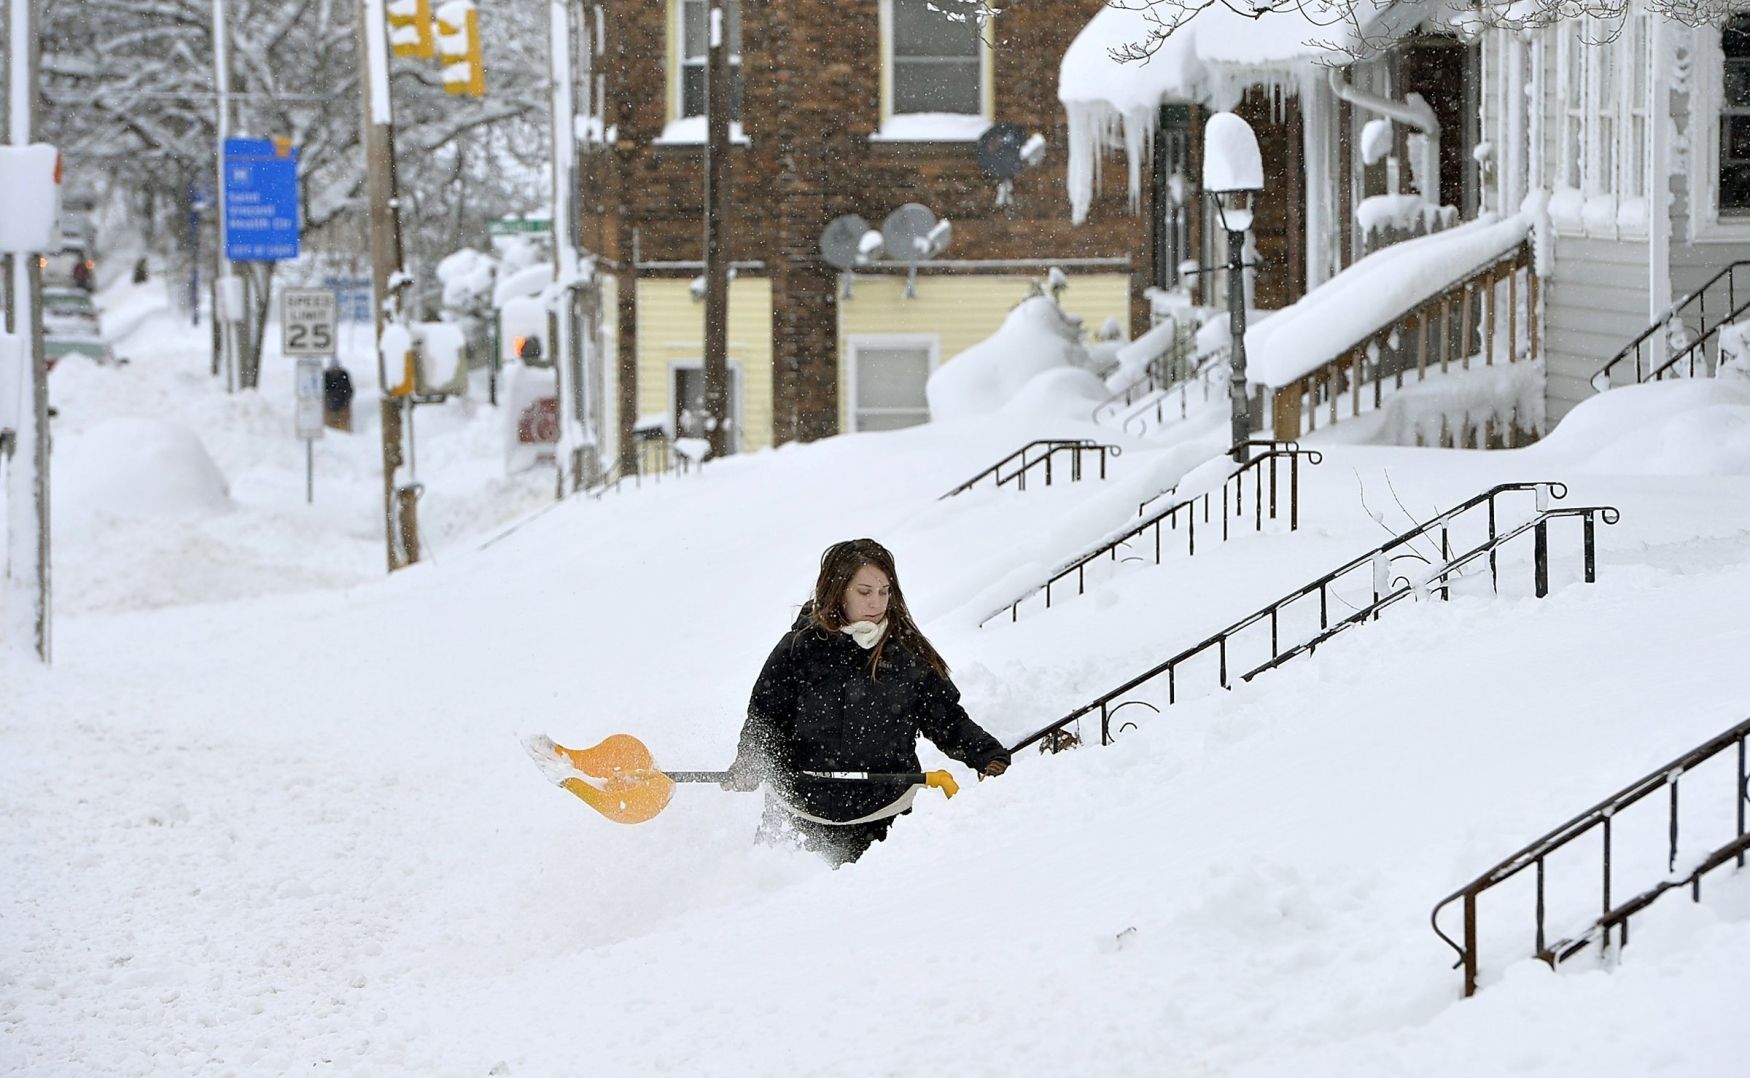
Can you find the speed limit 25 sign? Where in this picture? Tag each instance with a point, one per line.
(309, 318)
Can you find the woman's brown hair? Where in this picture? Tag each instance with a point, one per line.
(826, 611)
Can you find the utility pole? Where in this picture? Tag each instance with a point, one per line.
(718, 106)
(400, 513)
(25, 604)
(564, 328)
(227, 289)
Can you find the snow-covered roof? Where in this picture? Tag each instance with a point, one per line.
(1217, 44)
(1211, 60)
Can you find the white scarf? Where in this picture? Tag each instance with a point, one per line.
(866, 633)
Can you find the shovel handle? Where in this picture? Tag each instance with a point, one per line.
(937, 780)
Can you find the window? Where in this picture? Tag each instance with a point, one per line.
(1571, 58)
(690, 417)
(935, 64)
(1735, 118)
(1606, 100)
(1638, 87)
(694, 41)
(887, 383)
(1605, 78)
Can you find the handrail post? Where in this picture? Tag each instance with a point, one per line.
(1743, 793)
(1590, 529)
(1470, 944)
(1294, 492)
(1540, 557)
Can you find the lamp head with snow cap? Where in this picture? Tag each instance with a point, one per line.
(1233, 168)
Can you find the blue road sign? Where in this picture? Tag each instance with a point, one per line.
(261, 201)
(353, 294)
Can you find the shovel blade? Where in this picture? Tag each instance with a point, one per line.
(628, 797)
(618, 754)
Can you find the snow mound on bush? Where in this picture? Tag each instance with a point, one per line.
(1678, 427)
(1036, 337)
(139, 467)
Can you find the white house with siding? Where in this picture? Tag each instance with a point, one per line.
(1632, 139)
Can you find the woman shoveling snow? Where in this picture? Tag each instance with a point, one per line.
(842, 700)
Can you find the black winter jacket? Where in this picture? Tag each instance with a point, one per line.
(817, 708)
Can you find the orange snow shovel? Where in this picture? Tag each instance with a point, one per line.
(619, 779)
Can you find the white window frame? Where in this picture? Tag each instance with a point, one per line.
(1706, 98)
(895, 126)
(1635, 111)
(1603, 114)
(1604, 138)
(856, 342)
(680, 129)
(737, 382)
(1571, 54)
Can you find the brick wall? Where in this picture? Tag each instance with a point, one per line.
(811, 76)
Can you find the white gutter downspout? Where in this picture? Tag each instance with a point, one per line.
(1413, 111)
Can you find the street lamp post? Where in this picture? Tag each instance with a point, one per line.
(1233, 173)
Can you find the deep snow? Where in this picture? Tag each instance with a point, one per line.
(267, 813)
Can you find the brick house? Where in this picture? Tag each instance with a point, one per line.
(844, 107)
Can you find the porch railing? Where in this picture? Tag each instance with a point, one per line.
(1036, 458)
(1682, 331)
(1606, 818)
(1436, 334)
(1387, 585)
(1262, 471)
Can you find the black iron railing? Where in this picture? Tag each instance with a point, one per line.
(1388, 587)
(1605, 818)
(1686, 331)
(1037, 458)
(653, 460)
(1263, 472)
(1207, 381)
(1175, 361)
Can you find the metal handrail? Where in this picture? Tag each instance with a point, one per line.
(1075, 447)
(1600, 816)
(615, 478)
(1697, 298)
(1386, 591)
(1170, 516)
(1214, 362)
(611, 480)
(1156, 374)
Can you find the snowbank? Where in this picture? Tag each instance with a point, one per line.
(1036, 337)
(1679, 427)
(138, 467)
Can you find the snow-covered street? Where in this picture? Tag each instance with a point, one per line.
(267, 814)
(751, 540)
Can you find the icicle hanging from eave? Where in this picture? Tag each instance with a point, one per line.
(1095, 126)
(1139, 144)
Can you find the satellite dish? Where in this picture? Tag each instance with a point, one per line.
(999, 150)
(906, 233)
(840, 241)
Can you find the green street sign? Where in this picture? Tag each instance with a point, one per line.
(514, 226)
